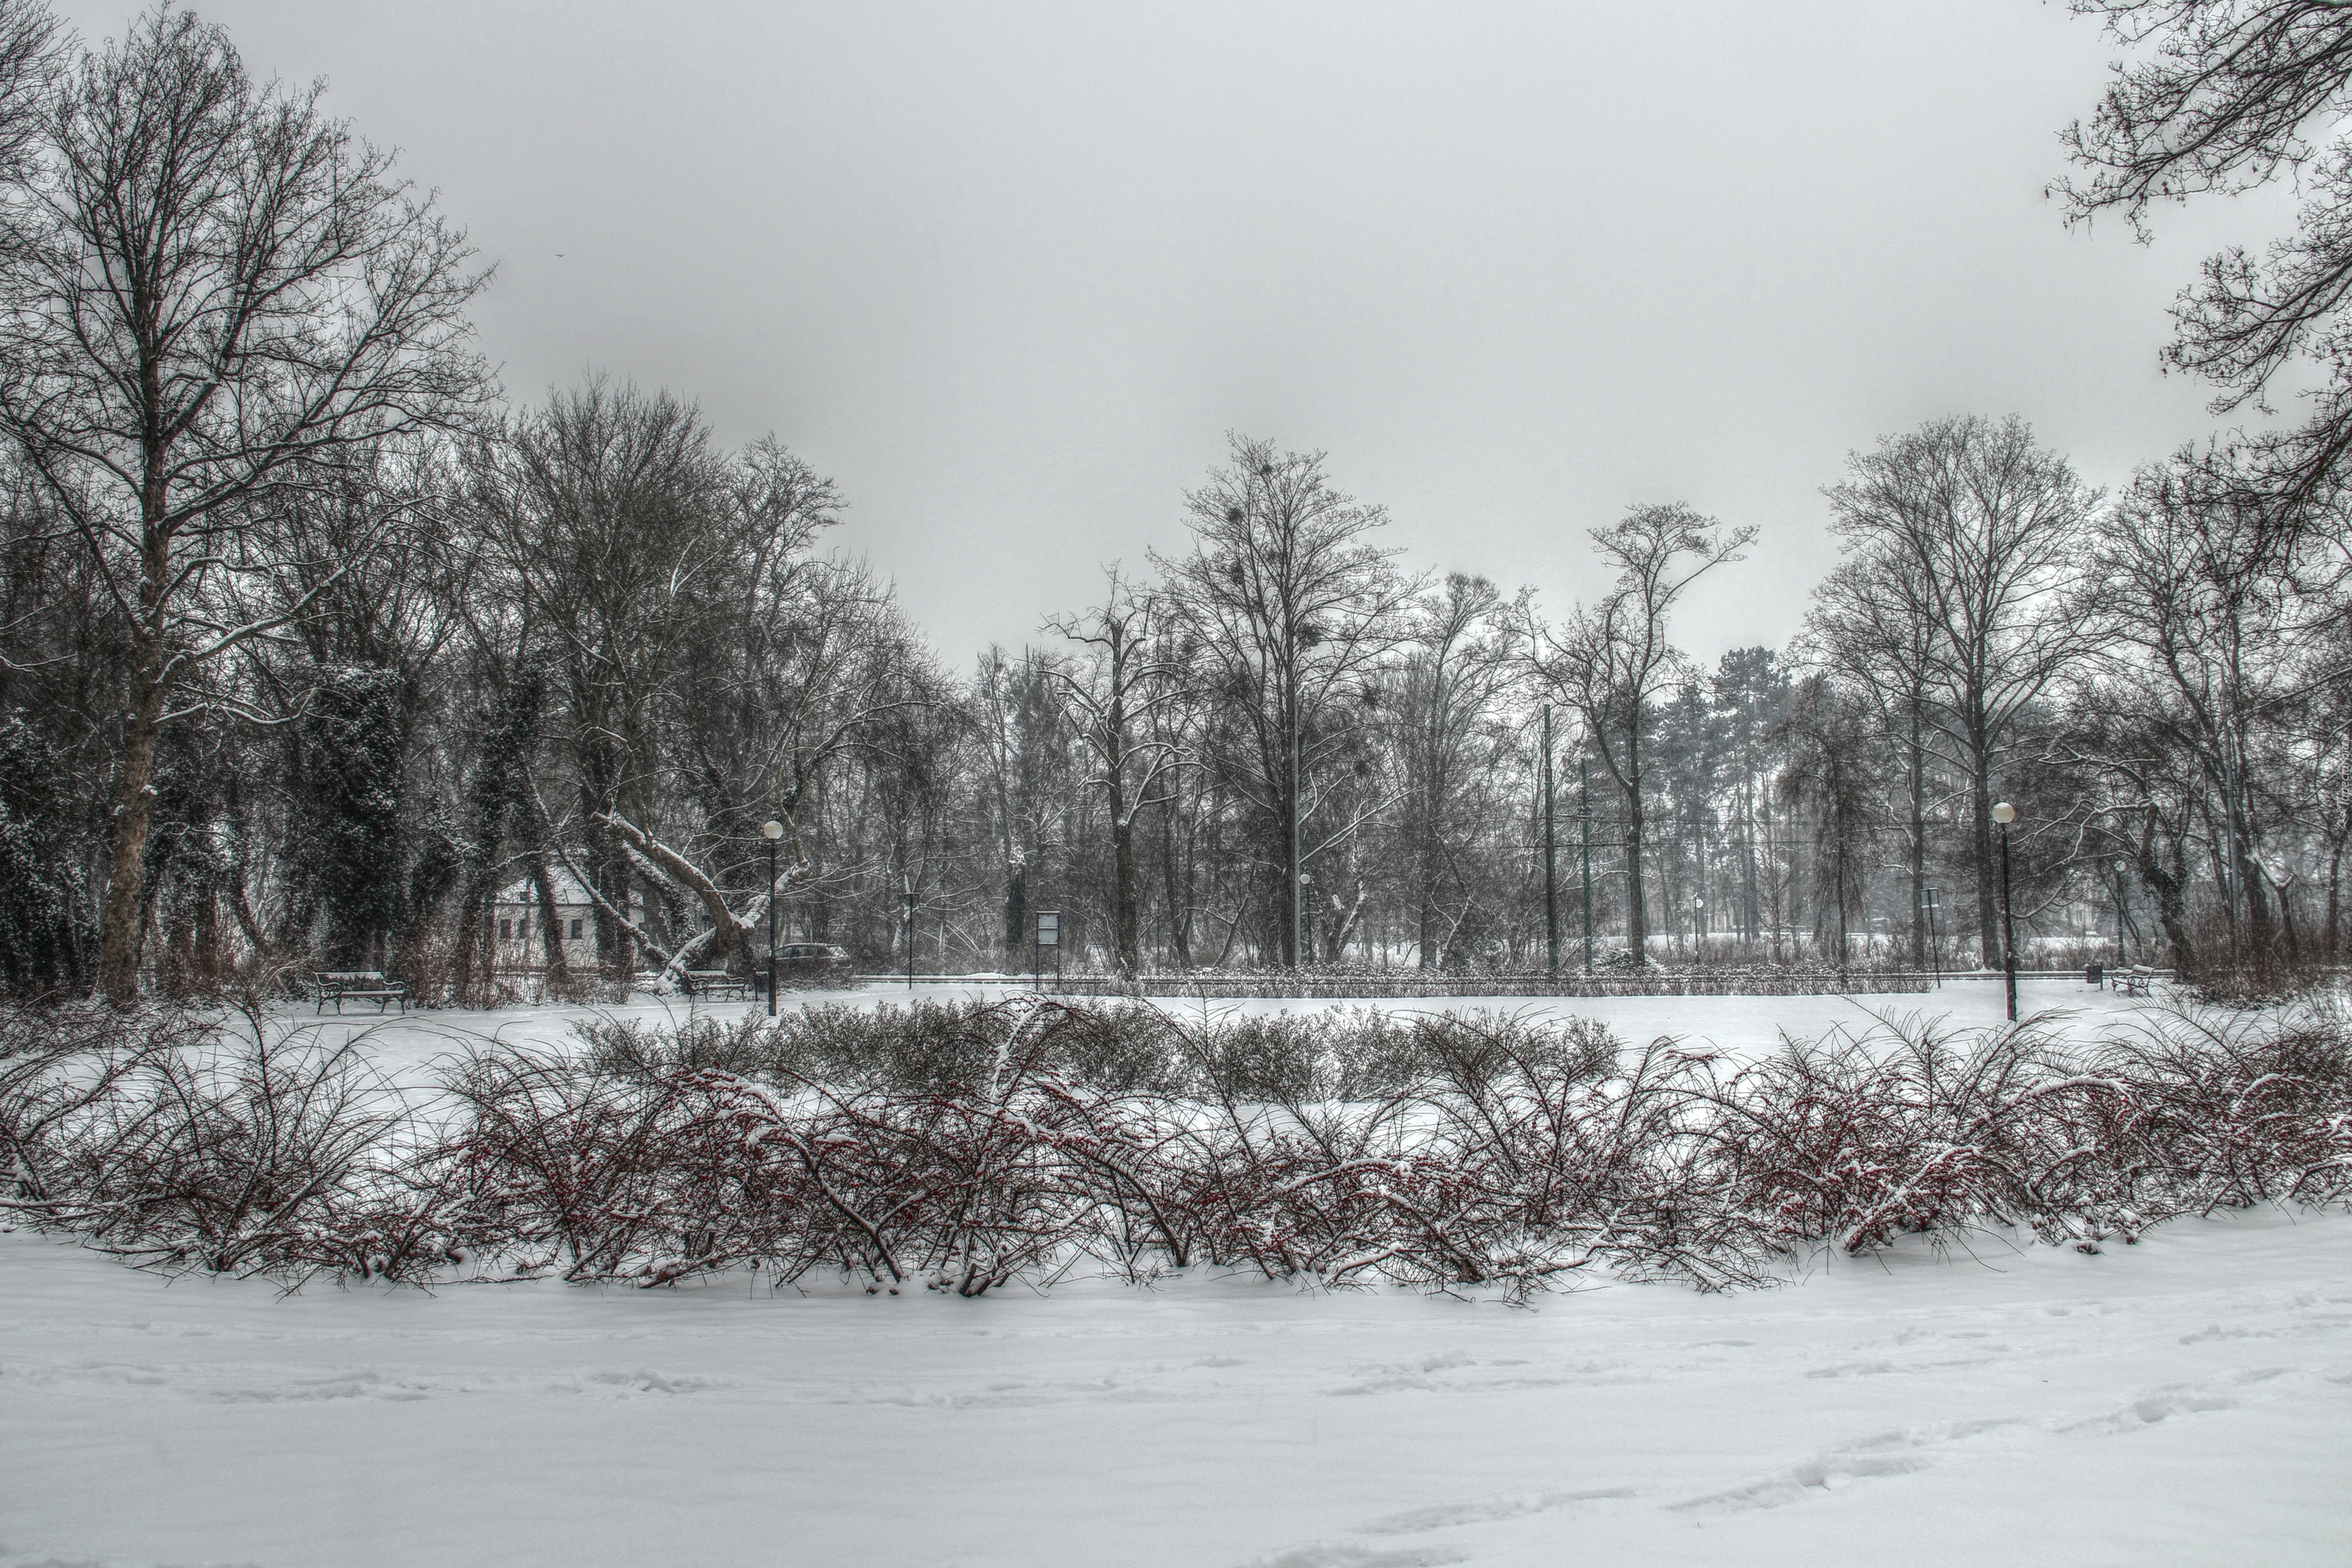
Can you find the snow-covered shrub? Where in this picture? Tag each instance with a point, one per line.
(563, 1166)
(1855, 1138)
(2228, 1111)
(215, 1142)
(966, 1147)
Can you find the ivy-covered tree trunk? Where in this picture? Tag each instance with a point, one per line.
(355, 733)
(499, 783)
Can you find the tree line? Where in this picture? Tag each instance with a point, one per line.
(314, 649)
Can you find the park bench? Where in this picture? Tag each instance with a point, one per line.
(715, 983)
(2137, 981)
(338, 986)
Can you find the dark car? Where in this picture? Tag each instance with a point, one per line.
(812, 964)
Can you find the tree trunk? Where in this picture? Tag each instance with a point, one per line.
(1130, 941)
(1637, 924)
(134, 802)
(2171, 909)
(1918, 760)
(2332, 936)
(551, 936)
(1180, 910)
(1988, 878)
(1016, 910)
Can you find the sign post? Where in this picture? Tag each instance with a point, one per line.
(1049, 934)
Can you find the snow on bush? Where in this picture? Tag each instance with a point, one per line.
(966, 1147)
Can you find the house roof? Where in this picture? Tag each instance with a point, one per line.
(561, 883)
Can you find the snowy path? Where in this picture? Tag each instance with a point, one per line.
(2184, 1402)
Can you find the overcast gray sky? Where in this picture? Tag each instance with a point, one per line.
(1010, 272)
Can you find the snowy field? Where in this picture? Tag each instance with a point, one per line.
(2185, 1400)
(1740, 1027)
(2188, 1401)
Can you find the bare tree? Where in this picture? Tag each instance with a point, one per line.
(221, 292)
(611, 510)
(1442, 701)
(1294, 607)
(1831, 774)
(2226, 96)
(1610, 661)
(1872, 623)
(1111, 698)
(1987, 531)
(28, 68)
(2227, 640)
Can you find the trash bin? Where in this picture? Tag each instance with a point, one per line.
(2095, 975)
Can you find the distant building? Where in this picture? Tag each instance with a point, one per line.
(520, 921)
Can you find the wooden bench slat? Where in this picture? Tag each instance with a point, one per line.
(359, 985)
(700, 981)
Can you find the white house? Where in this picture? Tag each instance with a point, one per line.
(520, 921)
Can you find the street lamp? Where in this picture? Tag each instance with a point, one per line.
(2006, 814)
(1698, 929)
(771, 831)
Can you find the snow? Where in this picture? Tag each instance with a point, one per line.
(1740, 1027)
(2185, 1400)
(2188, 1401)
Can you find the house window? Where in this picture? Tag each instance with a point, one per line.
(575, 930)
(506, 929)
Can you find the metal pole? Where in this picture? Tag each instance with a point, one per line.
(2007, 926)
(772, 927)
(1552, 892)
(1585, 816)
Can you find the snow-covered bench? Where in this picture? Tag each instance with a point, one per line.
(714, 984)
(337, 986)
(2137, 981)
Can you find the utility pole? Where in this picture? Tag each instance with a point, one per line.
(1552, 892)
(1584, 817)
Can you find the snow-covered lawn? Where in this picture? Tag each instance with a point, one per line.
(1742, 1026)
(2185, 1400)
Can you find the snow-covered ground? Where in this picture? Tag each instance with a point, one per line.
(2186, 1401)
(1738, 1026)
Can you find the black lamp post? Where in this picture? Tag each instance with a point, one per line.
(1698, 930)
(771, 831)
(2006, 814)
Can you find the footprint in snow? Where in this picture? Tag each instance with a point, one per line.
(1340, 1554)
(1888, 1455)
